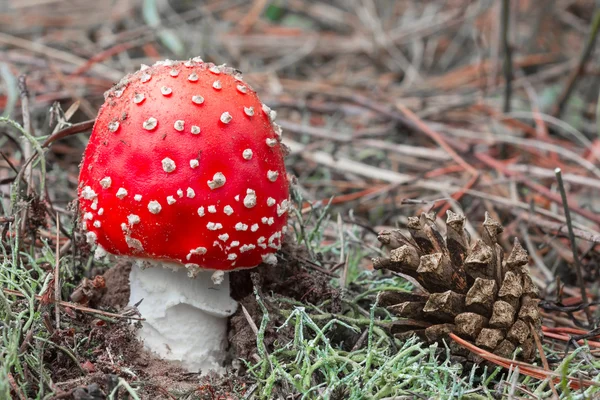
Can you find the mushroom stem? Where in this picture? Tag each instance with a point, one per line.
(185, 319)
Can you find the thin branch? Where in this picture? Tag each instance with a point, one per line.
(57, 275)
(69, 131)
(578, 71)
(78, 307)
(578, 271)
(507, 67)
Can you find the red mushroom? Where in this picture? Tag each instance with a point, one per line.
(184, 167)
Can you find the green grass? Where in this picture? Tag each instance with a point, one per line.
(312, 366)
(22, 318)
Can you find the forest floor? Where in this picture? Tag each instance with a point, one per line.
(390, 109)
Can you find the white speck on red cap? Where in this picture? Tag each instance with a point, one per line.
(254, 227)
(201, 211)
(197, 99)
(113, 126)
(88, 193)
(171, 200)
(133, 219)
(241, 227)
(231, 256)
(228, 210)
(271, 142)
(168, 165)
(283, 208)
(174, 72)
(213, 226)
(249, 111)
(226, 117)
(277, 130)
(101, 211)
(97, 224)
(250, 199)
(105, 182)
(134, 243)
(247, 154)
(194, 163)
(138, 98)
(150, 124)
(121, 193)
(224, 237)
(88, 215)
(197, 250)
(247, 247)
(195, 129)
(179, 125)
(193, 77)
(137, 197)
(91, 238)
(271, 201)
(190, 193)
(217, 85)
(242, 89)
(165, 90)
(217, 181)
(234, 243)
(154, 207)
(272, 175)
(179, 192)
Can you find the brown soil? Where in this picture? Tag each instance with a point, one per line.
(111, 350)
(291, 278)
(116, 294)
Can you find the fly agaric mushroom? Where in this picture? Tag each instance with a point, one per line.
(184, 168)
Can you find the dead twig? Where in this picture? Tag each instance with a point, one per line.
(69, 131)
(78, 307)
(507, 67)
(578, 271)
(556, 227)
(57, 275)
(578, 71)
(543, 358)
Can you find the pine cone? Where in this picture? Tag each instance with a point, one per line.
(472, 290)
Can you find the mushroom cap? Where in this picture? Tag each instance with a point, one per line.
(185, 165)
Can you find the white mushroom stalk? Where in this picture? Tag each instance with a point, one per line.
(185, 319)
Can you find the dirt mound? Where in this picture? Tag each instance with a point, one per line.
(291, 278)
